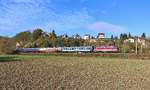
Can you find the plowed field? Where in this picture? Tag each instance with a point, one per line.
(73, 73)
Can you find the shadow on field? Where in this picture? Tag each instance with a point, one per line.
(8, 59)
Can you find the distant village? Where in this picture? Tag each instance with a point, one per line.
(128, 42)
(128, 39)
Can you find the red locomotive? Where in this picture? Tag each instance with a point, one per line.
(112, 49)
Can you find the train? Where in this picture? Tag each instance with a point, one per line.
(38, 50)
(80, 49)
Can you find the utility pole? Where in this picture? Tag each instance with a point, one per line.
(141, 48)
(136, 46)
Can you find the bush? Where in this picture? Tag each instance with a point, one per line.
(7, 46)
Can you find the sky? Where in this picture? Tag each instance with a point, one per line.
(75, 16)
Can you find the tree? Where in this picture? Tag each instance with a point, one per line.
(53, 38)
(63, 40)
(125, 48)
(37, 33)
(112, 37)
(123, 36)
(87, 42)
(129, 35)
(43, 42)
(23, 38)
(116, 37)
(7, 46)
(54, 34)
(143, 35)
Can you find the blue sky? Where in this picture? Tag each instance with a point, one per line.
(75, 16)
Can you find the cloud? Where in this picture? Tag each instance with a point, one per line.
(33, 2)
(20, 15)
(16, 15)
(70, 21)
(106, 27)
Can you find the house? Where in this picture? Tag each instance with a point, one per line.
(130, 40)
(86, 37)
(133, 40)
(101, 36)
(142, 41)
(76, 36)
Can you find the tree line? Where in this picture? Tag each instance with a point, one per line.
(40, 39)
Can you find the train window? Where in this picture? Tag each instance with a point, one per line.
(88, 48)
(81, 48)
(70, 48)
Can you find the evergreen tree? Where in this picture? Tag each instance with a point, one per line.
(129, 35)
(112, 37)
(123, 36)
(143, 35)
(54, 34)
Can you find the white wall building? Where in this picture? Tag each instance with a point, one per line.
(142, 41)
(101, 35)
(86, 36)
(131, 40)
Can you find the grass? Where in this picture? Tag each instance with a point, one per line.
(43, 72)
(45, 57)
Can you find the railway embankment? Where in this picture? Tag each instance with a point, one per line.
(104, 55)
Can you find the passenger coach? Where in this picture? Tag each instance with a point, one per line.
(77, 49)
